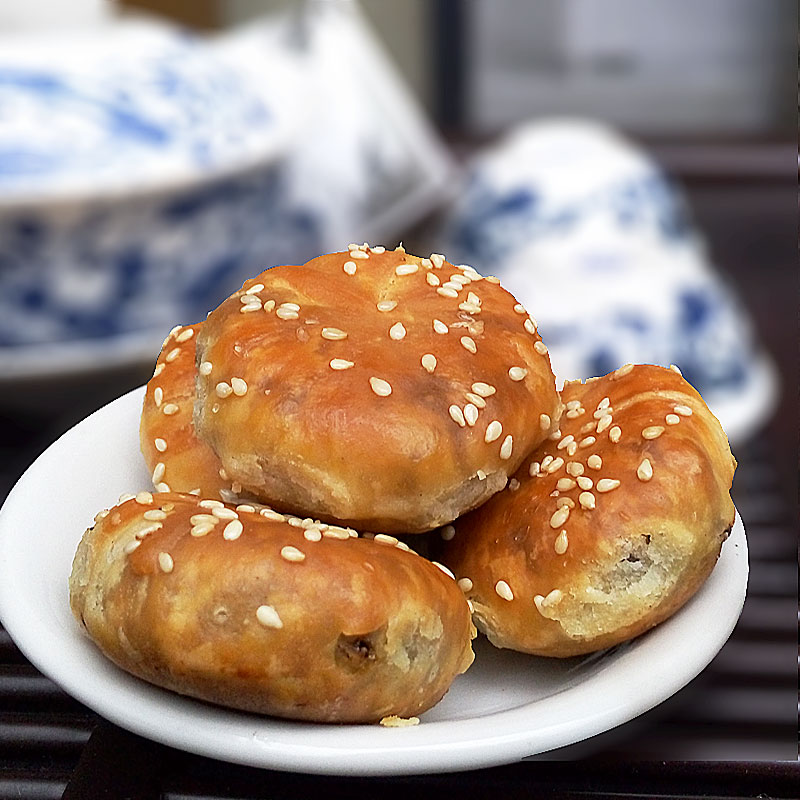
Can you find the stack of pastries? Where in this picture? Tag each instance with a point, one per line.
(327, 409)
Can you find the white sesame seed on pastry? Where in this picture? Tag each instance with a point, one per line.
(606, 529)
(243, 607)
(386, 391)
(175, 457)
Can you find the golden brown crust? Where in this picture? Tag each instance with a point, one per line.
(174, 455)
(265, 615)
(625, 557)
(320, 403)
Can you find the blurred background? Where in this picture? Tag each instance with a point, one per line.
(635, 157)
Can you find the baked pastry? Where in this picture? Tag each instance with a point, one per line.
(609, 527)
(247, 608)
(175, 457)
(372, 387)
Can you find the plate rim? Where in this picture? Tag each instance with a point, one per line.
(471, 743)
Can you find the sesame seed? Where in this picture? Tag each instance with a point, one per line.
(269, 306)
(205, 368)
(530, 327)
(560, 516)
(587, 442)
(465, 584)
(437, 260)
(432, 279)
(250, 300)
(131, 546)
(381, 387)
(440, 327)
(184, 336)
(565, 484)
(537, 600)
(506, 448)
(165, 562)
(470, 308)
(292, 554)
(552, 598)
(544, 421)
(158, 370)
(615, 433)
(397, 331)
(575, 413)
(520, 309)
(203, 519)
(645, 470)
(144, 498)
(457, 415)
(286, 313)
(517, 373)
(652, 432)
(565, 442)
(672, 419)
(534, 468)
(406, 269)
(154, 515)
(604, 423)
(622, 371)
(358, 254)
(158, 396)
(383, 538)
(446, 291)
(483, 389)
(162, 487)
(504, 590)
(513, 485)
(447, 532)
(268, 617)
(471, 414)
(586, 499)
(584, 482)
(444, 569)
(571, 404)
(350, 267)
(684, 411)
(272, 515)
(378, 249)
(341, 363)
(172, 355)
(223, 389)
(239, 387)
(606, 484)
(675, 368)
(604, 403)
(493, 431)
(540, 347)
(469, 344)
(333, 334)
(233, 530)
(561, 543)
(255, 288)
(210, 504)
(575, 468)
(158, 472)
(312, 534)
(223, 512)
(245, 507)
(429, 362)
(481, 475)
(594, 461)
(387, 305)
(473, 299)
(555, 465)
(475, 399)
(546, 461)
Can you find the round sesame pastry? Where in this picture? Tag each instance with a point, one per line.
(383, 390)
(244, 607)
(609, 527)
(177, 459)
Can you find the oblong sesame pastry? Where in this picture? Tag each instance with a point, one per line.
(175, 457)
(607, 528)
(246, 608)
(386, 391)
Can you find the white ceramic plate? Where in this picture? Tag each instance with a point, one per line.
(506, 707)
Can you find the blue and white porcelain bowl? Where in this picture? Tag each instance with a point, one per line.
(594, 239)
(140, 183)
